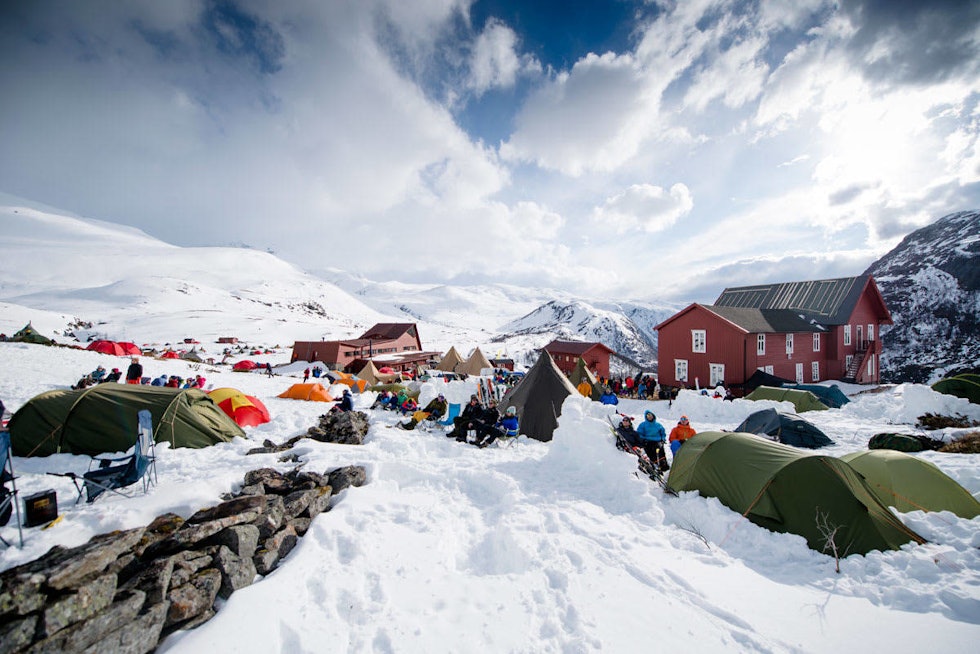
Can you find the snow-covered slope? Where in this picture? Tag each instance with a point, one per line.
(124, 281)
(931, 284)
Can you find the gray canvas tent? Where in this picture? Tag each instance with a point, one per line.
(786, 428)
(369, 373)
(474, 365)
(538, 398)
(582, 372)
(450, 361)
(102, 418)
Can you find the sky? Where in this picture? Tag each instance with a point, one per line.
(616, 149)
(535, 547)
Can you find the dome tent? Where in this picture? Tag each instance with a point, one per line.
(784, 490)
(831, 395)
(786, 428)
(912, 484)
(102, 418)
(802, 400)
(245, 410)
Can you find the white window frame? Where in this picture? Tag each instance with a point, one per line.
(847, 334)
(815, 371)
(816, 341)
(789, 344)
(680, 370)
(760, 344)
(716, 374)
(767, 369)
(699, 341)
(799, 373)
(871, 332)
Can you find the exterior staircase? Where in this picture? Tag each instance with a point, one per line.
(860, 358)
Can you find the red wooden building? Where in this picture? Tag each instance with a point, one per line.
(808, 331)
(382, 339)
(567, 353)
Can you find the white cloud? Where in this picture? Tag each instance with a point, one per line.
(646, 207)
(495, 61)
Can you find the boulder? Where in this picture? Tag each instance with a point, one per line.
(341, 478)
(193, 598)
(344, 427)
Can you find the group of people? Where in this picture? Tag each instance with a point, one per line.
(485, 422)
(175, 381)
(651, 437)
(134, 375)
(433, 411)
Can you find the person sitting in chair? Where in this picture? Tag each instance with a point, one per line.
(467, 419)
(432, 411)
(507, 426)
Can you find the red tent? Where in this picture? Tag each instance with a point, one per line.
(170, 354)
(114, 348)
(244, 366)
(246, 410)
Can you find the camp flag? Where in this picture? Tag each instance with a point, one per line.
(245, 410)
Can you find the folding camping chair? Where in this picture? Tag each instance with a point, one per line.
(8, 498)
(138, 466)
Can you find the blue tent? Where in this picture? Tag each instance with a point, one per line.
(832, 396)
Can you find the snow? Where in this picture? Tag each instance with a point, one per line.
(538, 547)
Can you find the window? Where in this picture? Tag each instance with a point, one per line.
(816, 341)
(871, 332)
(815, 371)
(789, 343)
(847, 334)
(680, 369)
(760, 344)
(716, 373)
(698, 339)
(799, 373)
(767, 370)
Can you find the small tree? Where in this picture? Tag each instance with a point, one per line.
(829, 532)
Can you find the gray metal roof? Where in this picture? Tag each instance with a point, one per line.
(761, 321)
(827, 301)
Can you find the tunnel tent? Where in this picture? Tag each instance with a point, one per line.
(831, 395)
(786, 428)
(102, 418)
(802, 400)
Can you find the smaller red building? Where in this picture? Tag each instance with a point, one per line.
(566, 354)
(382, 339)
(804, 331)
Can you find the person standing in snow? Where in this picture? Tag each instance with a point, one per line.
(134, 372)
(306, 375)
(679, 434)
(653, 435)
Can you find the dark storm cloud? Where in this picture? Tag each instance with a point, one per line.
(911, 41)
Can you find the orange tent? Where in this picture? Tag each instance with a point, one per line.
(356, 385)
(246, 410)
(312, 392)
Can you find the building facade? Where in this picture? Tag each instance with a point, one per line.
(566, 354)
(391, 341)
(803, 331)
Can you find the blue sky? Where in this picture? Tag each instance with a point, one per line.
(621, 149)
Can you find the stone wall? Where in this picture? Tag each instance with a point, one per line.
(124, 591)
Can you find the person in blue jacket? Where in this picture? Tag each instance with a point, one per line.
(506, 426)
(608, 397)
(653, 435)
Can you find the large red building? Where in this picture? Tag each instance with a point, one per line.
(566, 354)
(808, 331)
(396, 345)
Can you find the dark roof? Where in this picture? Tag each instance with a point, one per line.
(761, 321)
(827, 301)
(389, 330)
(572, 347)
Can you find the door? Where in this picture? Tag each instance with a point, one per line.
(860, 341)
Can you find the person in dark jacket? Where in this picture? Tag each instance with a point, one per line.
(113, 376)
(484, 424)
(467, 419)
(506, 426)
(346, 402)
(628, 434)
(134, 372)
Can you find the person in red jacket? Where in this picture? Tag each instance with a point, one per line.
(680, 433)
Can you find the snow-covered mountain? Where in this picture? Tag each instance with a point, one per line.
(931, 284)
(625, 328)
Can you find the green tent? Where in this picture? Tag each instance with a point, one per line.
(782, 489)
(582, 372)
(538, 398)
(831, 395)
(911, 484)
(960, 386)
(30, 335)
(802, 400)
(899, 442)
(102, 418)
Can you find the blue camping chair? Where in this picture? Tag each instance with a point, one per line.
(138, 466)
(453, 412)
(8, 498)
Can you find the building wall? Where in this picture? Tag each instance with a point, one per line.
(596, 358)
(725, 344)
